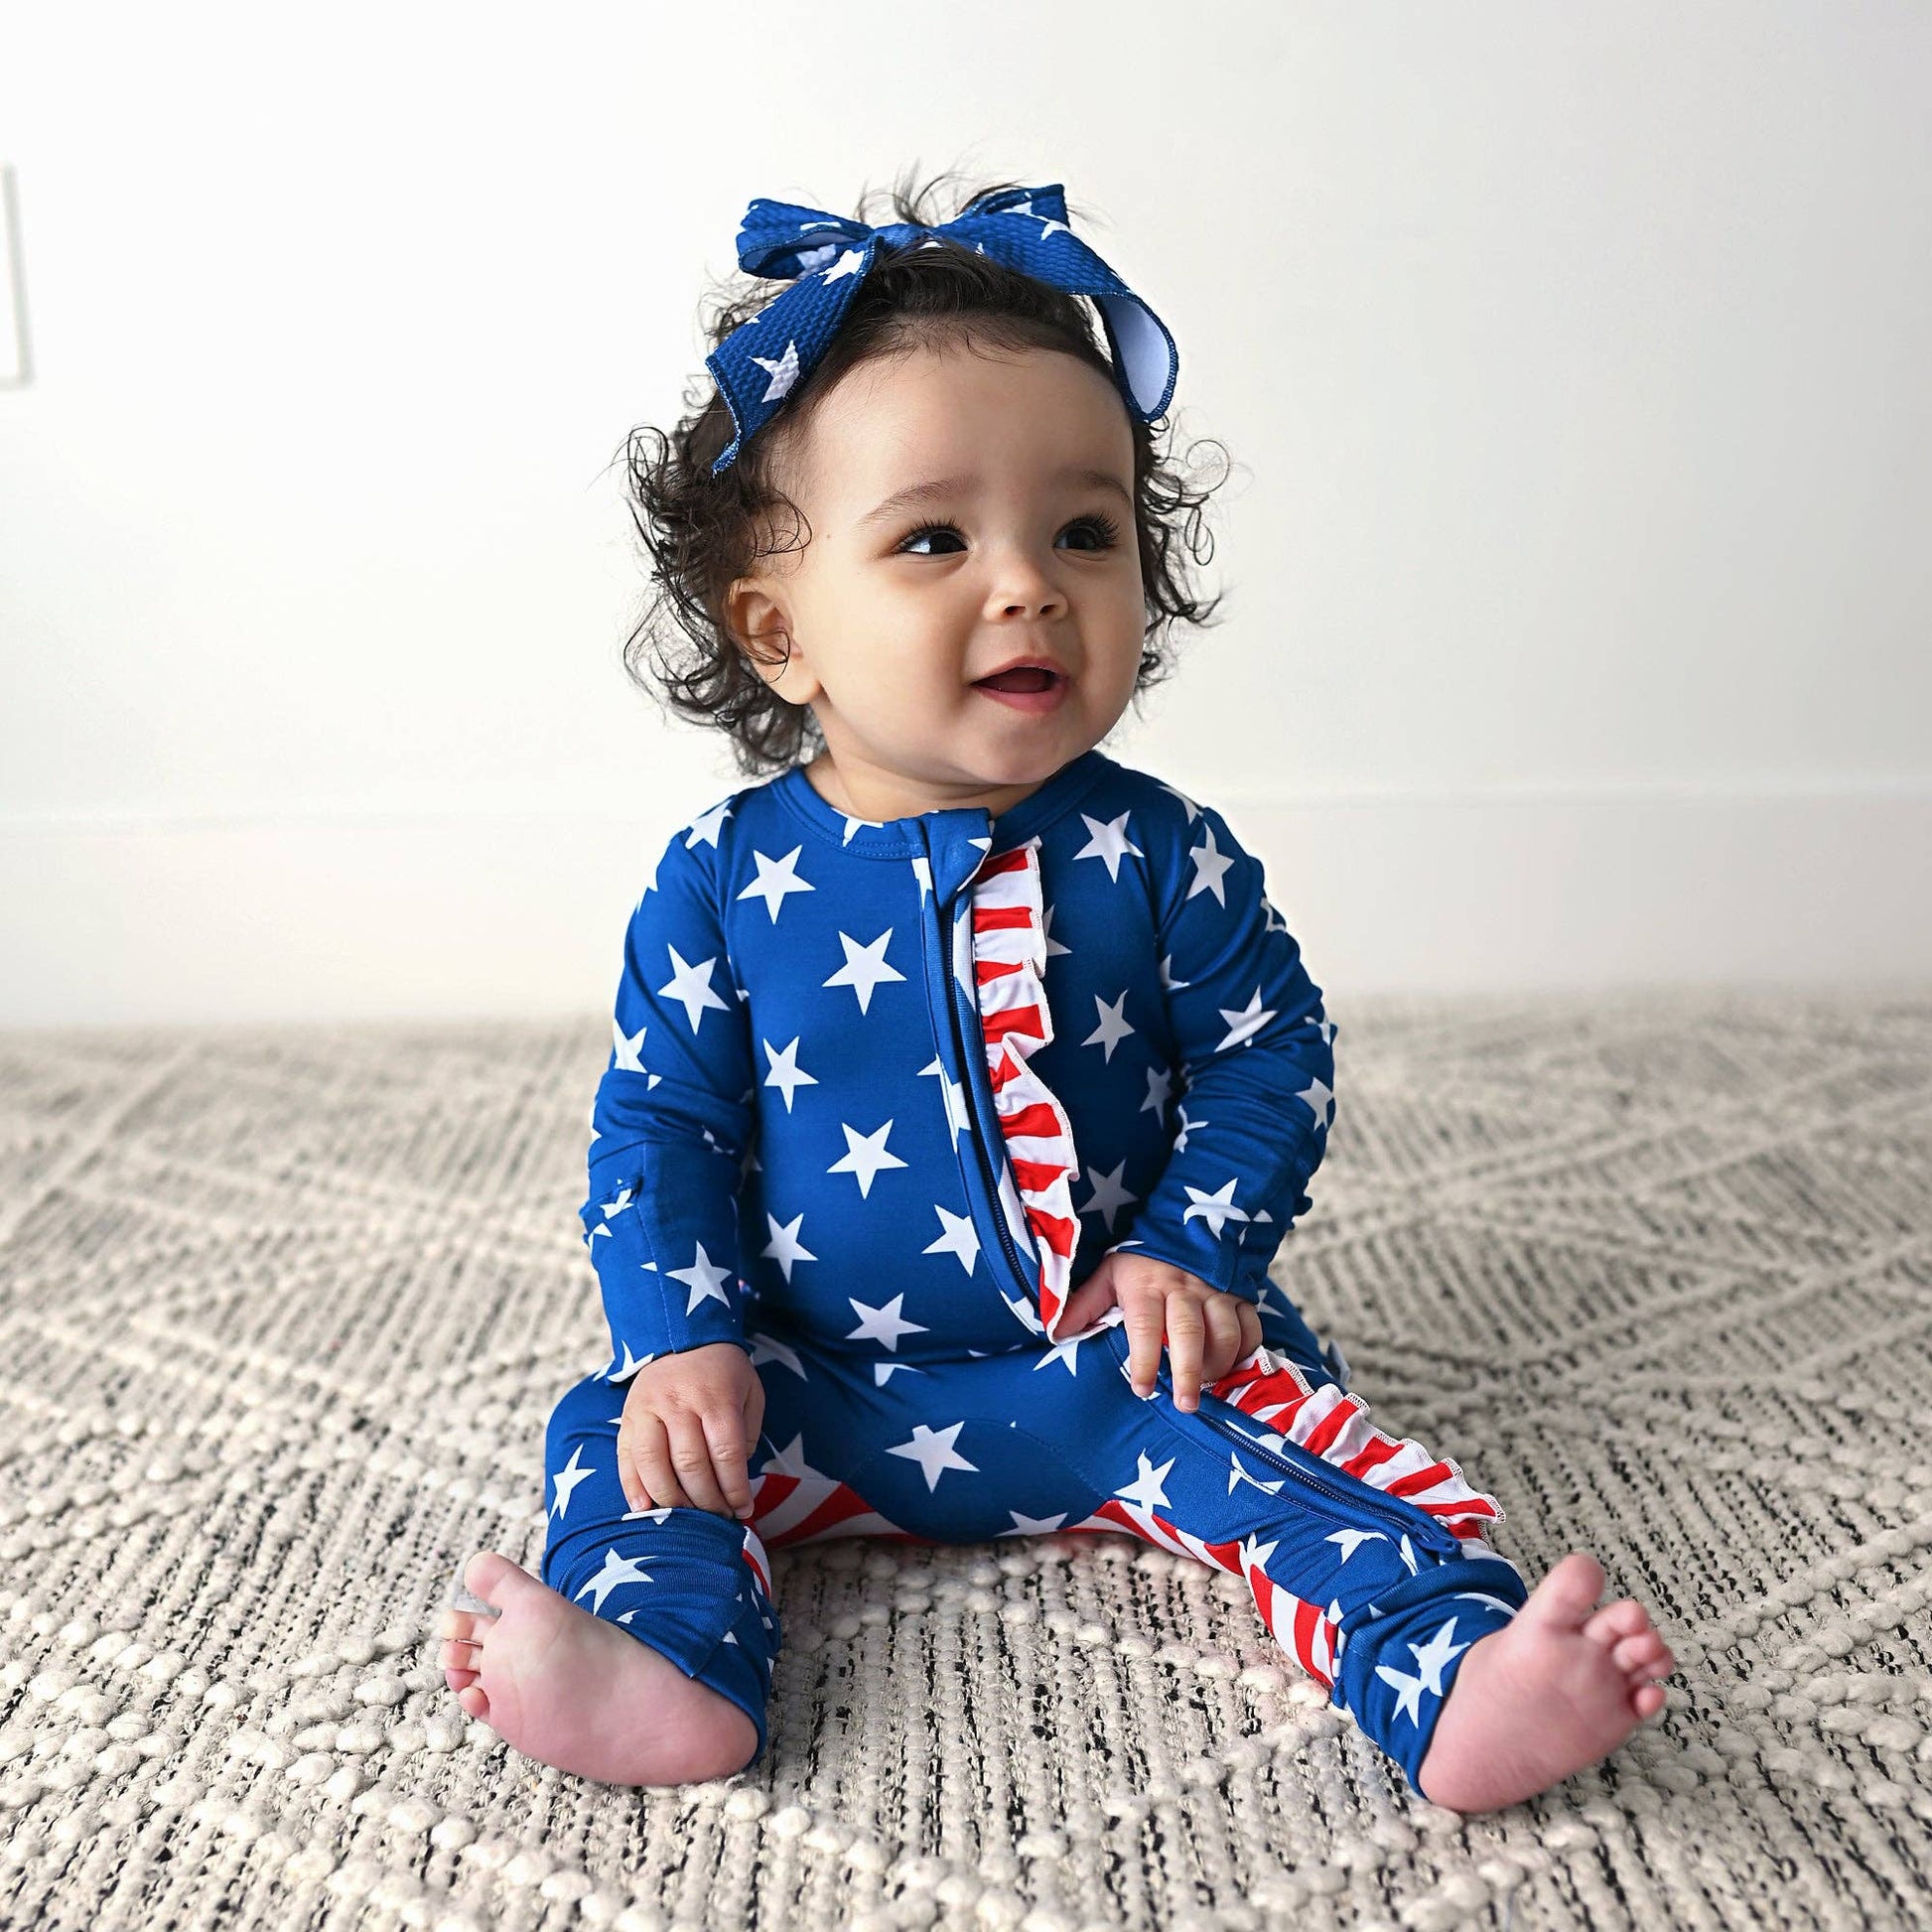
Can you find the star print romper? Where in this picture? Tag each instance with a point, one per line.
(881, 1098)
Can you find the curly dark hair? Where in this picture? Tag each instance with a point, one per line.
(704, 531)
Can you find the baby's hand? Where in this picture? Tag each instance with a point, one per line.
(1207, 1330)
(687, 1421)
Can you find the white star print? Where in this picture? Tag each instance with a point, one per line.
(782, 370)
(1246, 1023)
(623, 1200)
(1054, 946)
(1239, 1475)
(1146, 1487)
(864, 967)
(692, 985)
(786, 1074)
(628, 1366)
(960, 1238)
(568, 1477)
(706, 1281)
(1062, 1352)
(1431, 1656)
(1034, 1525)
(955, 1098)
(883, 1325)
(1193, 811)
(1210, 863)
(1160, 1083)
(626, 1045)
(1255, 1555)
(1188, 1127)
(1108, 1196)
(1321, 1098)
(865, 1154)
(933, 1449)
(617, 1570)
(777, 878)
(1112, 1030)
(1109, 842)
(1409, 1689)
(785, 1247)
(1169, 984)
(1214, 1208)
(1351, 1540)
(705, 828)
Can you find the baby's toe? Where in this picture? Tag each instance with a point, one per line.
(460, 1680)
(1647, 1700)
(1645, 1652)
(472, 1699)
(458, 1655)
(1624, 1618)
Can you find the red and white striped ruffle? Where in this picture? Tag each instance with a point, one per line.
(1330, 1422)
(1009, 955)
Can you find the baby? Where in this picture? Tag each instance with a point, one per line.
(962, 1073)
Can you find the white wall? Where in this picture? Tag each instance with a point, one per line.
(1576, 359)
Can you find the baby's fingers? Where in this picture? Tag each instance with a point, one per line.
(691, 1459)
(645, 1464)
(1145, 1316)
(725, 1431)
(1186, 1333)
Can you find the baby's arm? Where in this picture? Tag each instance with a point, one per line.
(1255, 1048)
(671, 1119)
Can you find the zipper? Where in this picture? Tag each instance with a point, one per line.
(955, 1001)
(1364, 1496)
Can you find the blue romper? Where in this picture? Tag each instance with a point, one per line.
(880, 1096)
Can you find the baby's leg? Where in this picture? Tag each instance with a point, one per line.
(1367, 1557)
(644, 1654)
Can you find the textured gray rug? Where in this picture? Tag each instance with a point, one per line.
(284, 1313)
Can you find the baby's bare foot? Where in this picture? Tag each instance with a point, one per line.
(1560, 1687)
(571, 1689)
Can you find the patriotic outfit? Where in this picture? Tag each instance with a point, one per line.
(881, 1098)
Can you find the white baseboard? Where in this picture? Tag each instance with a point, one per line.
(417, 918)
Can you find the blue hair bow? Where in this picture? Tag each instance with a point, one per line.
(826, 257)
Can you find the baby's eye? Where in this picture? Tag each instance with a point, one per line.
(1102, 528)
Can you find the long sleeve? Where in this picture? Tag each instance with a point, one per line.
(1257, 1054)
(670, 1123)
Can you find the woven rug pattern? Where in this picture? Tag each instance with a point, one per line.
(284, 1313)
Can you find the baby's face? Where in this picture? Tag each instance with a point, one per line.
(891, 620)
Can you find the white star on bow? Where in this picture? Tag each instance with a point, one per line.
(782, 370)
(1321, 1098)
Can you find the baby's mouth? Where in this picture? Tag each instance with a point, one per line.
(1023, 677)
